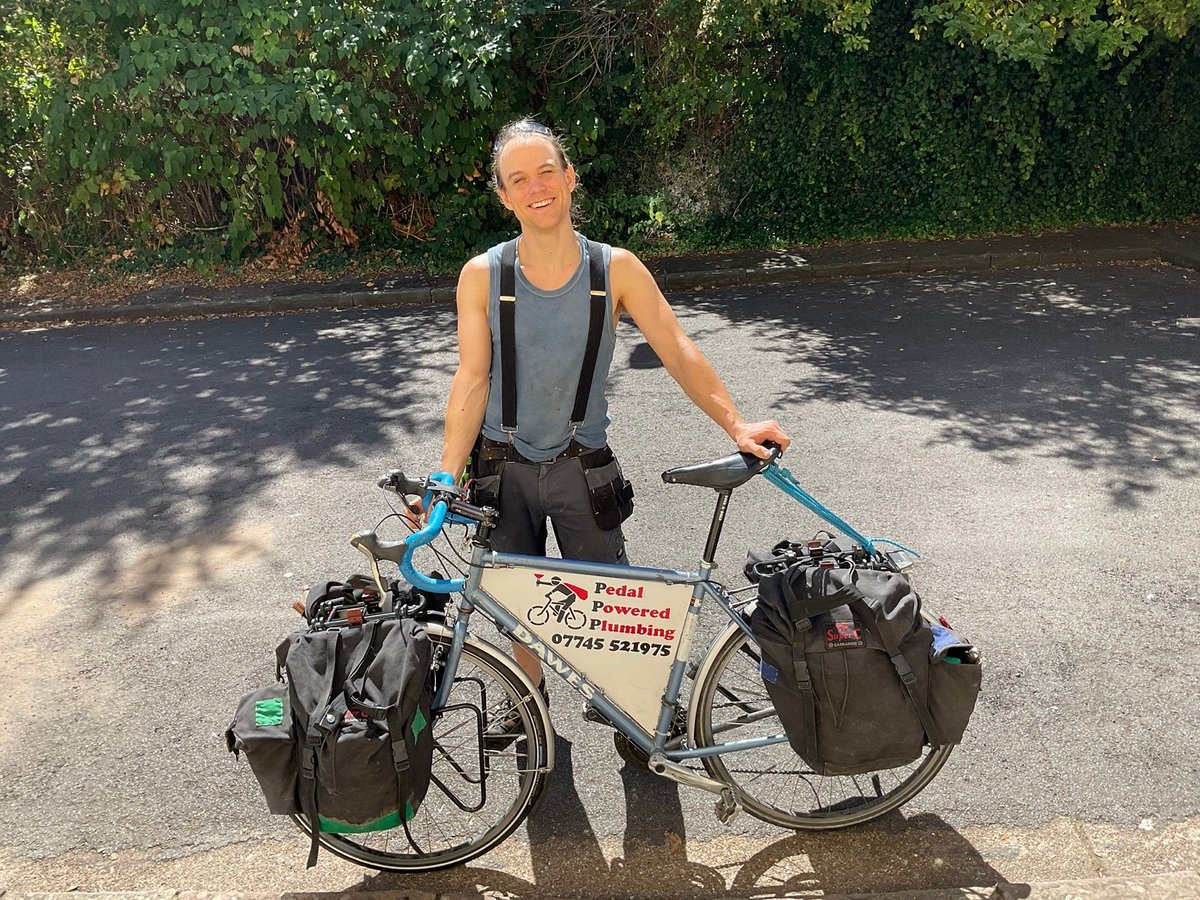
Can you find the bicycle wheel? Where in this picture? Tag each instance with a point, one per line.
(575, 618)
(539, 615)
(480, 791)
(777, 786)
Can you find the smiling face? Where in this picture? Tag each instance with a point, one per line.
(534, 184)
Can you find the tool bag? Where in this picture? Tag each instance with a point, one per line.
(859, 679)
(345, 741)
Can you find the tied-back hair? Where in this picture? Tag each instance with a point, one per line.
(523, 127)
(514, 130)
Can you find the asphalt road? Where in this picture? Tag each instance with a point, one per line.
(169, 489)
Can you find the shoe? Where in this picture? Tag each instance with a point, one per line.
(504, 731)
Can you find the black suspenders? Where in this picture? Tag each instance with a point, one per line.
(508, 336)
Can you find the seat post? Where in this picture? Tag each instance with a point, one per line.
(714, 530)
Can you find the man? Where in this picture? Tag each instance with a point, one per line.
(548, 466)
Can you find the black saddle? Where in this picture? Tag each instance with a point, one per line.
(720, 474)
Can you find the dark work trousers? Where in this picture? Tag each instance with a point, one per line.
(531, 493)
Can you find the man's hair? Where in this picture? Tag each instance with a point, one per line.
(516, 130)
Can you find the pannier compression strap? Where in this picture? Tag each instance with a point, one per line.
(309, 762)
(804, 610)
(808, 700)
(907, 677)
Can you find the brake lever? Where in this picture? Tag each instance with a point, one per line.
(439, 486)
(442, 483)
(397, 482)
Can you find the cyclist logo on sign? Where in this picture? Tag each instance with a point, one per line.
(560, 600)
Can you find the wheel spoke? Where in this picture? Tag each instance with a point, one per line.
(773, 779)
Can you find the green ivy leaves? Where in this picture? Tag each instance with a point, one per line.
(237, 121)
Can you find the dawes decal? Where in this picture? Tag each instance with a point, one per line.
(623, 635)
(554, 661)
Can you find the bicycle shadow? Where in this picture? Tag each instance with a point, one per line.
(653, 860)
(893, 854)
(566, 858)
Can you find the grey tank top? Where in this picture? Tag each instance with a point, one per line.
(551, 332)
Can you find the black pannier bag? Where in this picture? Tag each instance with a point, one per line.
(346, 741)
(859, 679)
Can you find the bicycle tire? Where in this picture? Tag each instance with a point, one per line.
(539, 615)
(575, 619)
(772, 782)
(446, 834)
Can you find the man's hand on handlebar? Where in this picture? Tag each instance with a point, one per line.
(750, 437)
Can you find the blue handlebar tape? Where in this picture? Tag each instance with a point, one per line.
(426, 535)
(786, 482)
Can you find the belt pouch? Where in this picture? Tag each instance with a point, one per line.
(611, 494)
(485, 480)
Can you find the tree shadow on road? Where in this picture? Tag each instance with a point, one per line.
(158, 439)
(1083, 365)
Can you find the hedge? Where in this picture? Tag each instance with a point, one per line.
(207, 130)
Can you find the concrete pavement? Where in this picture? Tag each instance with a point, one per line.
(1173, 886)
(1175, 244)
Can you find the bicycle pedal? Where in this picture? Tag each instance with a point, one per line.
(726, 807)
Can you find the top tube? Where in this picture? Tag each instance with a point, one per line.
(786, 482)
(439, 509)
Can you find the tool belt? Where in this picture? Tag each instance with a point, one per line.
(488, 451)
(610, 492)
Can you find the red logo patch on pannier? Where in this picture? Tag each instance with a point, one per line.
(842, 636)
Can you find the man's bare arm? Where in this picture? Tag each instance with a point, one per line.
(635, 292)
(469, 388)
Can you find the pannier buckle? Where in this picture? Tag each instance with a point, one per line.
(903, 669)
